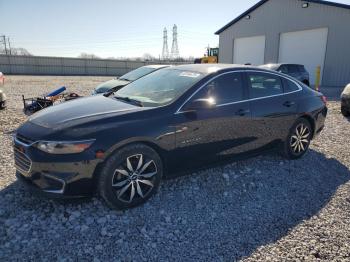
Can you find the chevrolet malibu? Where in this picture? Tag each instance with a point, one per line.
(121, 146)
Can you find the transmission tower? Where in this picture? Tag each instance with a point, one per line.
(165, 53)
(175, 48)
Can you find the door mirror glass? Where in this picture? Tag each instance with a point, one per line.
(202, 103)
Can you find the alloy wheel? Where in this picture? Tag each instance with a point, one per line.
(134, 179)
(300, 139)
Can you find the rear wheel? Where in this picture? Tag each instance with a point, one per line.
(298, 140)
(344, 111)
(130, 177)
(2, 104)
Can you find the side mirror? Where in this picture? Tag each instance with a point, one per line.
(202, 103)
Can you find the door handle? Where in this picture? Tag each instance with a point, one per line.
(289, 103)
(242, 112)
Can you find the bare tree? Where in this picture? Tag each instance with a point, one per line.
(88, 56)
(148, 57)
(17, 51)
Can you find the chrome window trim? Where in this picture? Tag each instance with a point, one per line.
(246, 100)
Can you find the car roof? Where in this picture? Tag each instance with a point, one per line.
(279, 64)
(157, 66)
(212, 68)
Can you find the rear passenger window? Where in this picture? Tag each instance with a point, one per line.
(289, 86)
(262, 84)
(227, 88)
(293, 69)
(301, 68)
(283, 69)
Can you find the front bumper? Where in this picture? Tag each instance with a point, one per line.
(54, 178)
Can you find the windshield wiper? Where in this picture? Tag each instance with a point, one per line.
(129, 100)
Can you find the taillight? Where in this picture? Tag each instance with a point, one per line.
(324, 100)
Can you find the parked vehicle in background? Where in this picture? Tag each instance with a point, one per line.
(2, 99)
(345, 101)
(118, 83)
(297, 71)
(123, 145)
(2, 78)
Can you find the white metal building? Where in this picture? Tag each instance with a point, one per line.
(313, 33)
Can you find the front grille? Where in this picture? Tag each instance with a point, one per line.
(24, 139)
(22, 162)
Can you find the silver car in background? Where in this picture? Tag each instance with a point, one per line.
(118, 83)
(294, 70)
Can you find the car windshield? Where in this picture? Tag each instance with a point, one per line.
(161, 87)
(137, 73)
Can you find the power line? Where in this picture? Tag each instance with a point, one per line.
(4, 43)
(175, 48)
(165, 52)
(8, 40)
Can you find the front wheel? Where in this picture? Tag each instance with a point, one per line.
(130, 176)
(298, 140)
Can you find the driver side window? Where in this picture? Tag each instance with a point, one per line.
(227, 88)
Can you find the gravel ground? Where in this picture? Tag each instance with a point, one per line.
(260, 209)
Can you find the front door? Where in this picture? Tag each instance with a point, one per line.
(220, 131)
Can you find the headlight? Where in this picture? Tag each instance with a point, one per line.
(347, 90)
(64, 147)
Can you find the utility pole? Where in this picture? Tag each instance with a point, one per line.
(8, 40)
(4, 41)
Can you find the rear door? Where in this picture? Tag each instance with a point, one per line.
(273, 108)
(219, 131)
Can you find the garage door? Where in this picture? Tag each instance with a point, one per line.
(304, 47)
(249, 50)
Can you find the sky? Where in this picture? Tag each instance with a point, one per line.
(116, 28)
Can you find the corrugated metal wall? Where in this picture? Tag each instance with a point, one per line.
(42, 65)
(280, 16)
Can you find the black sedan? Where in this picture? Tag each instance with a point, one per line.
(345, 101)
(118, 83)
(122, 145)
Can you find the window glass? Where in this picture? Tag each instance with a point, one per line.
(301, 68)
(262, 84)
(289, 86)
(293, 69)
(161, 87)
(137, 73)
(283, 69)
(227, 88)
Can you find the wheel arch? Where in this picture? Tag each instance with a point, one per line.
(152, 144)
(312, 122)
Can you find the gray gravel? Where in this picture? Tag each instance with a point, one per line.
(261, 209)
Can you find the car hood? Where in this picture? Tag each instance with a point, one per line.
(111, 83)
(80, 111)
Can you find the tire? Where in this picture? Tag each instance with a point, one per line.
(2, 105)
(344, 111)
(130, 176)
(306, 82)
(298, 140)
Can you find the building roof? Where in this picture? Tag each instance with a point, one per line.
(260, 3)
